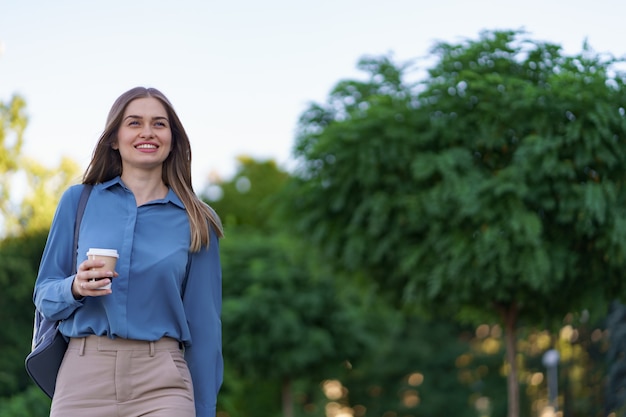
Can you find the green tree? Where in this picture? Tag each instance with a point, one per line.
(249, 198)
(284, 316)
(492, 189)
(43, 187)
(30, 403)
(19, 258)
(420, 369)
(13, 122)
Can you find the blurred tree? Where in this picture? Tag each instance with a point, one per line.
(284, 315)
(34, 208)
(19, 259)
(30, 403)
(13, 122)
(491, 190)
(249, 198)
(45, 187)
(419, 369)
(285, 318)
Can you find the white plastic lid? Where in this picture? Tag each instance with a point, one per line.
(103, 252)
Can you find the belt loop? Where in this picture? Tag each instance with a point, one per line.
(83, 342)
(151, 349)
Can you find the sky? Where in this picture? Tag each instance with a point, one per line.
(240, 72)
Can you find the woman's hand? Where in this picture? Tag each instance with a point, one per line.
(90, 279)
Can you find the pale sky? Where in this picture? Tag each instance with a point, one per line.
(239, 73)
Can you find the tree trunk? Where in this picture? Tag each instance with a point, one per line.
(510, 322)
(287, 398)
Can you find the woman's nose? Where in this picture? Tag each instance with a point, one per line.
(146, 131)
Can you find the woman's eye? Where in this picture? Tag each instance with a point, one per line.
(133, 123)
(160, 124)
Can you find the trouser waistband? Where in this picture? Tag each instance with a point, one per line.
(104, 343)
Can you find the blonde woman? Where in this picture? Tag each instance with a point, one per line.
(151, 344)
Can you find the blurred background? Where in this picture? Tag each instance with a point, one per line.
(423, 203)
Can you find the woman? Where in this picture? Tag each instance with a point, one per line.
(150, 345)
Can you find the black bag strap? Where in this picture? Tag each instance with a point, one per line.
(82, 202)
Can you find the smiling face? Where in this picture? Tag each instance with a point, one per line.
(144, 138)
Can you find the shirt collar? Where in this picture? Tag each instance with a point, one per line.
(171, 196)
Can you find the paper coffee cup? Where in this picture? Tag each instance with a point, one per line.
(109, 256)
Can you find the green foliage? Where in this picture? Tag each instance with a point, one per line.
(493, 189)
(13, 122)
(284, 314)
(29, 403)
(288, 322)
(541, 222)
(244, 396)
(413, 372)
(45, 185)
(249, 198)
(496, 181)
(19, 258)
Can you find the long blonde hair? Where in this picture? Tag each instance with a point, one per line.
(106, 163)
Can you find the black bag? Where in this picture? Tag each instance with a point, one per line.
(49, 345)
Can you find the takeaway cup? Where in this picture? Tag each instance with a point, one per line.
(109, 256)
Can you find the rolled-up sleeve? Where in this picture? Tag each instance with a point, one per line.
(203, 303)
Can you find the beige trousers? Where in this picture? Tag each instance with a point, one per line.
(102, 377)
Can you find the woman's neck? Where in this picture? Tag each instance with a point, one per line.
(148, 187)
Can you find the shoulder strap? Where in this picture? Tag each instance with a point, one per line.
(40, 322)
(182, 294)
(82, 202)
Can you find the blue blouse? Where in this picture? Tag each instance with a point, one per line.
(150, 297)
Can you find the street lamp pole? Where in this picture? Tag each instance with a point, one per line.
(551, 361)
